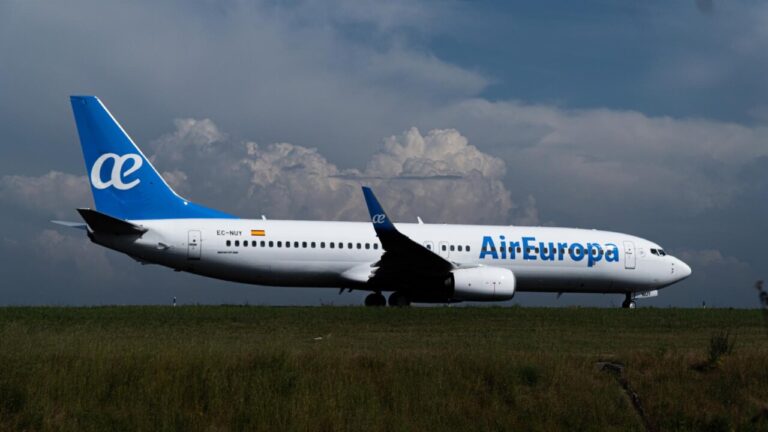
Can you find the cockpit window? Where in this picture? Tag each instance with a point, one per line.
(662, 253)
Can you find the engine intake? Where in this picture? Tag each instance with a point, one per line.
(483, 284)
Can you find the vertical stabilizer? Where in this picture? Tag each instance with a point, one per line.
(124, 183)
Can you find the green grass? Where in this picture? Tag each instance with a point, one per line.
(260, 368)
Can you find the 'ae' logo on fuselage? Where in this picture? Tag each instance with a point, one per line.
(116, 176)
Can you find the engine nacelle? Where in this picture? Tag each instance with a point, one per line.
(483, 284)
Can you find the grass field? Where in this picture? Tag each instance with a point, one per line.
(327, 368)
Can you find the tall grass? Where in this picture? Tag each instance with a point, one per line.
(254, 368)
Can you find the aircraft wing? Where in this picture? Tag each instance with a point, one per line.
(403, 258)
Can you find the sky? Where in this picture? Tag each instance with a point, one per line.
(643, 117)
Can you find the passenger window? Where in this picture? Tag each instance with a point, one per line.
(443, 248)
(459, 247)
(429, 246)
(229, 243)
(279, 244)
(375, 245)
(349, 245)
(518, 249)
(254, 243)
(312, 245)
(295, 244)
(237, 242)
(304, 245)
(322, 245)
(467, 248)
(271, 243)
(262, 243)
(332, 245)
(245, 243)
(359, 246)
(452, 248)
(367, 245)
(287, 244)
(341, 245)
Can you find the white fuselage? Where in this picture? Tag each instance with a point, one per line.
(308, 253)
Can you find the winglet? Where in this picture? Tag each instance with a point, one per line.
(379, 218)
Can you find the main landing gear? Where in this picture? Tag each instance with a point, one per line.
(396, 299)
(375, 299)
(629, 302)
(399, 299)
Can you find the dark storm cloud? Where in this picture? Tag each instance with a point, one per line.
(317, 85)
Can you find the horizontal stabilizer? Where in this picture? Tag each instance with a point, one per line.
(78, 225)
(104, 223)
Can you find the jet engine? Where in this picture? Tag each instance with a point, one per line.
(483, 284)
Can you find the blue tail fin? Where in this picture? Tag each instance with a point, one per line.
(124, 183)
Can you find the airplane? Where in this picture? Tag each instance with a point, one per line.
(137, 213)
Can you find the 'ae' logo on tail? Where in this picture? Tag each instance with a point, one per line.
(117, 175)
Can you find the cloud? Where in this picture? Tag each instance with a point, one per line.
(52, 194)
(624, 161)
(74, 253)
(439, 176)
(709, 258)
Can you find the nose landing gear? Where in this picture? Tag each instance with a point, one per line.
(629, 302)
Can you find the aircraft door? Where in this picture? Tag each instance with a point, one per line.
(194, 245)
(442, 249)
(629, 255)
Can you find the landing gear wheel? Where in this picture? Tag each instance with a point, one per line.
(628, 303)
(399, 299)
(375, 299)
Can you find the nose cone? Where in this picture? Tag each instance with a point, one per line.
(682, 269)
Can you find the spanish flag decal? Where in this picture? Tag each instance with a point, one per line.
(257, 233)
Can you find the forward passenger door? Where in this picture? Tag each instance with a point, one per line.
(629, 255)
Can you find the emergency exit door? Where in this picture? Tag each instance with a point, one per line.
(193, 245)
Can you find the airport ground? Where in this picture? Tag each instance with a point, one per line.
(206, 368)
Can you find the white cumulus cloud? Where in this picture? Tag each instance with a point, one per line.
(55, 193)
(438, 176)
